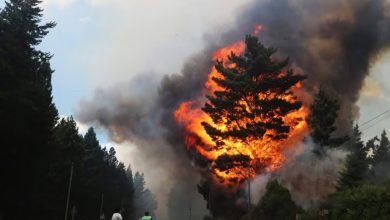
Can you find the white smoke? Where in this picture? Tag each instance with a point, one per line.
(310, 178)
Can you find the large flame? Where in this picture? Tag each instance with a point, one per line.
(265, 154)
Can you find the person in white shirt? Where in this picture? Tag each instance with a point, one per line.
(117, 215)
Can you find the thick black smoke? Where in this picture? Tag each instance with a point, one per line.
(334, 42)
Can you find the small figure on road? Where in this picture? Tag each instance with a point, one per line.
(117, 214)
(146, 216)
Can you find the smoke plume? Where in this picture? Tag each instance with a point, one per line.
(309, 177)
(334, 42)
(131, 113)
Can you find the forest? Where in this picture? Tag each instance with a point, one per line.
(39, 148)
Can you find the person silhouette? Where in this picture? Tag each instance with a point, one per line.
(146, 216)
(117, 215)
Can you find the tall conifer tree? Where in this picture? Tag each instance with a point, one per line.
(322, 118)
(251, 101)
(144, 200)
(69, 151)
(275, 204)
(382, 151)
(27, 112)
(356, 164)
(380, 160)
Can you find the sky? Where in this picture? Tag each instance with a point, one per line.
(98, 43)
(374, 98)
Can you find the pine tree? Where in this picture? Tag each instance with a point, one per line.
(129, 174)
(139, 184)
(356, 164)
(130, 201)
(69, 143)
(94, 160)
(144, 200)
(91, 140)
(380, 160)
(275, 204)
(112, 160)
(105, 177)
(323, 114)
(69, 149)
(113, 183)
(382, 152)
(95, 174)
(252, 99)
(363, 202)
(27, 112)
(32, 139)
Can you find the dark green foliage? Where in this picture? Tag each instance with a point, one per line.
(364, 202)
(220, 203)
(27, 112)
(381, 152)
(380, 160)
(144, 200)
(323, 114)
(276, 204)
(106, 177)
(68, 148)
(311, 214)
(356, 164)
(95, 172)
(116, 186)
(95, 175)
(94, 160)
(128, 205)
(37, 150)
(69, 143)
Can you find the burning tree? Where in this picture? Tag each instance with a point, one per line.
(252, 109)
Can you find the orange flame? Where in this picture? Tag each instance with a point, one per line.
(266, 154)
(258, 28)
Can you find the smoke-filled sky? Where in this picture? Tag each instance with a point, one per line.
(98, 43)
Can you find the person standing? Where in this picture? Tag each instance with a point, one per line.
(146, 216)
(117, 215)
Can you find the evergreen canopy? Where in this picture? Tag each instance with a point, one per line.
(356, 164)
(253, 95)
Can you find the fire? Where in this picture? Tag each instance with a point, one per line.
(258, 28)
(266, 154)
